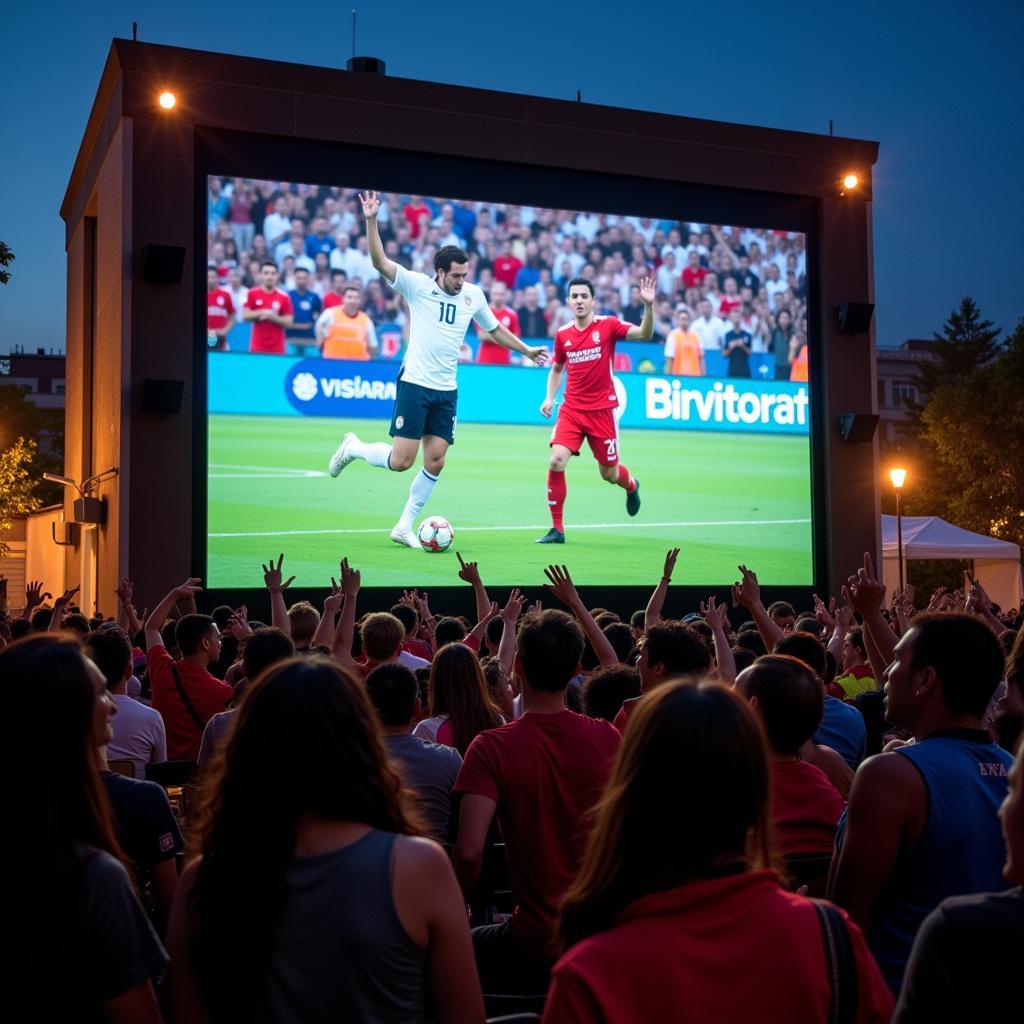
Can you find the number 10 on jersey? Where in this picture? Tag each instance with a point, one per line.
(446, 312)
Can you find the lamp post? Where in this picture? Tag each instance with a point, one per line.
(898, 478)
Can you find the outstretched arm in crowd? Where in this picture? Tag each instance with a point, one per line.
(479, 631)
(34, 597)
(564, 589)
(328, 621)
(981, 604)
(127, 618)
(278, 609)
(716, 616)
(470, 573)
(866, 594)
(748, 594)
(509, 621)
(59, 607)
(652, 615)
(157, 617)
(343, 636)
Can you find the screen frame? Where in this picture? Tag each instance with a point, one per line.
(229, 154)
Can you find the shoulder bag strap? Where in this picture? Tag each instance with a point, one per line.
(189, 706)
(839, 962)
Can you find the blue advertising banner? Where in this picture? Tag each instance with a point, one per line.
(262, 385)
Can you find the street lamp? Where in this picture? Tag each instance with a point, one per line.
(898, 478)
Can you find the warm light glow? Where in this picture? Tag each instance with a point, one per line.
(850, 181)
(167, 100)
(898, 477)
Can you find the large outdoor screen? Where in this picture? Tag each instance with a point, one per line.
(712, 416)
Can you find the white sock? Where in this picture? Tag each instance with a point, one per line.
(376, 454)
(419, 494)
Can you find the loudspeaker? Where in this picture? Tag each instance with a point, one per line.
(162, 397)
(854, 317)
(368, 65)
(856, 427)
(162, 264)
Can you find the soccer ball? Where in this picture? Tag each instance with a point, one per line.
(436, 534)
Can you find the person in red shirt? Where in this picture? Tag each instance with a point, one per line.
(541, 775)
(270, 311)
(676, 912)
(336, 296)
(693, 272)
(507, 266)
(587, 347)
(184, 692)
(414, 211)
(490, 351)
(788, 698)
(220, 312)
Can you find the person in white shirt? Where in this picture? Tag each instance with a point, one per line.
(440, 309)
(708, 327)
(139, 734)
(277, 226)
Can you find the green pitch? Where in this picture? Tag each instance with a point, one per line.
(722, 498)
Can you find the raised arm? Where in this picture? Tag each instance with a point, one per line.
(34, 597)
(867, 593)
(509, 621)
(480, 629)
(278, 610)
(371, 207)
(553, 384)
(343, 636)
(157, 617)
(716, 616)
(564, 589)
(59, 607)
(127, 618)
(748, 594)
(646, 329)
(470, 573)
(652, 615)
(332, 605)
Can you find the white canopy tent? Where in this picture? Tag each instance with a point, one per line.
(996, 562)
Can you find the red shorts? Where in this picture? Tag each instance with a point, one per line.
(596, 425)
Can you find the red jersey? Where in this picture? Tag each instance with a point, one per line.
(693, 277)
(491, 351)
(207, 694)
(727, 305)
(506, 268)
(805, 808)
(332, 299)
(266, 336)
(587, 356)
(219, 309)
(544, 772)
(737, 948)
(414, 214)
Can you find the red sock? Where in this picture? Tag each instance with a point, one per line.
(625, 481)
(556, 498)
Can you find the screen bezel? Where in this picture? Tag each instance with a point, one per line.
(235, 154)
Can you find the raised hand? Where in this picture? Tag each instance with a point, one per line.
(537, 606)
(410, 598)
(272, 575)
(670, 563)
(648, 290)
(192, 586)
(333, 601)
(238, 623)
(468, 571)
(513, 607)
(65, 598)
(844, 616)
(936, 600)
(125, 591)
(867, 592)
(350, 579)
(371, 204)
(423, 607)
(561, 584)
(714, 614)
(34, 594)
(748, 592)
(821, 613)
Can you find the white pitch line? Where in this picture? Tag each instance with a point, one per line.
(263, 472)
(488, 529)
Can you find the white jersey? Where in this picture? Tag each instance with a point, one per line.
(438, 326)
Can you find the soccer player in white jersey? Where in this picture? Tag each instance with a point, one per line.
(440, 309)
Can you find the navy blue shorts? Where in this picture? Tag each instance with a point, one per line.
(420, 411)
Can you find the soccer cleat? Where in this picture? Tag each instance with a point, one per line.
(633, 499)
(405, 535)
(342, 457)
(553, 536)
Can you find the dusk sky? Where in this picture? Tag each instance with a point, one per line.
(937, 84)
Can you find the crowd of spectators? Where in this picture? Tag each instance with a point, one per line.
(734, 291)
(744, 813)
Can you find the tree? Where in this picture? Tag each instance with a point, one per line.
(6, 259)
(20, 417)
(16, 485)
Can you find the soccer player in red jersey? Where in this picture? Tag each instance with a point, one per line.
(587, 347)
(220, 312)
(491, 351)
(270, 311)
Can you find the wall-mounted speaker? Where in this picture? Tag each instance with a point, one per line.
(854, 317)
(857, 427)
(162, 264)
(162, 397)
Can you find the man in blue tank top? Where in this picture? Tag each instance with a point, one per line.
(921, 821)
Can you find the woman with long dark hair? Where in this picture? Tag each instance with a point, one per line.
(676, 913)
(82, 947)
(460, 704)
(314, 898)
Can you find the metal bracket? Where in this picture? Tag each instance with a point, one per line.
(70, 530)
